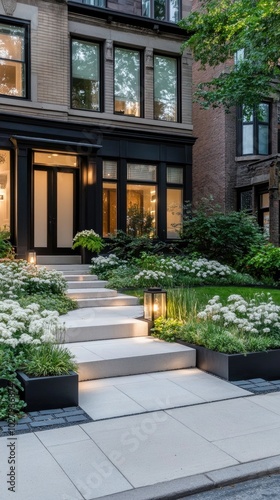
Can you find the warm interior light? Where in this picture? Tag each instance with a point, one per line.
(31, 257)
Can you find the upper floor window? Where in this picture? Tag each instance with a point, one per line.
(127, 78)
(85, 75)
(255, 137)
(13, 60)
(165, 88)
(95, 3)
(163, 10)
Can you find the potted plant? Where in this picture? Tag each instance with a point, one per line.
(48, 377)
(90, 241)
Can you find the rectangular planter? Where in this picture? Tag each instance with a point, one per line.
(45, 393)
(238, 366)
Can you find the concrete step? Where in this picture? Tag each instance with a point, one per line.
(91, 293)
(118, 300)
(80, 277)
(69, 268)
(86, 284)
(58, 259)
(133, 356)
(104, 329)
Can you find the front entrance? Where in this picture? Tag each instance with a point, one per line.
(55, 206)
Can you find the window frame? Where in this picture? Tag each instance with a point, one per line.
(256, 123)
(73, 37)
(167, 11)
(141, 80)
(93, 4)
(179, 87)
(27, 54)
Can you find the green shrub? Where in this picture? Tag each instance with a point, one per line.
(60, 303)
(264, 262)
(6, 248)
(48, 360)
(10, 407)
(219, 236)
(88, 239)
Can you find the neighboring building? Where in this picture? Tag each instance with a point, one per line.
(95, 119)
(235, 159)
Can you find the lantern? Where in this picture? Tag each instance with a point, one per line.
(155, 300)
(31, 257)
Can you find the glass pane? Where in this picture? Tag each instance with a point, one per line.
(264, 200)
(65, 212)
(263, 139)
(127, 82)
(174, 175)
(174, 11)
(159, 10)
(5, 188)
(141, 210)
(85, 75)
(248, 144)
(246, 200)
(109, 208)
(141, 172)
(266, 222)
(12, 60)
(247, 118)
(174, 212)
(55, 159)
(110, 170)
(264, 109)
(239, 56)
(165, 88)
(146, 8)
(96, 3)
(40, 208)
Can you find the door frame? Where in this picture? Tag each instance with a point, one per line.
(51, 248)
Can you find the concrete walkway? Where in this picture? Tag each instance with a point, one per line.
(161, 435)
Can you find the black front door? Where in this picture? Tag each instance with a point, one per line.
(55, 208)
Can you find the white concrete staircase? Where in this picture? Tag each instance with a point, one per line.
(106, 337)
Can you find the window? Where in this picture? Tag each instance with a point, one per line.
(85, 75)
(246, 200)
(141, 200)
(255, 137)
(109, 198)
(174, 201)
(163, 10)
(263, 203)
(5, 188)
(127, 82)
(13, 60)
(165, 88)
(95, 3)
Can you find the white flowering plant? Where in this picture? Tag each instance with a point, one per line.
(239, 326)
(148, 278)
(103, 265)
(88, 239)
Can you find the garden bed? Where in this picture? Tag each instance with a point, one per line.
(232, 367)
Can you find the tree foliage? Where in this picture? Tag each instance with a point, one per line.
(219, 30)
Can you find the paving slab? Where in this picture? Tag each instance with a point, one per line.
(152, 448)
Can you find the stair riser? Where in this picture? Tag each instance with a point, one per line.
(136, 365)
(86, 284)
(72, 268)
(106, 332)
(93, 294)
(108, 302)
(80, 277)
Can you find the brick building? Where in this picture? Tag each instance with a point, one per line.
(235, 159)
(95, 119)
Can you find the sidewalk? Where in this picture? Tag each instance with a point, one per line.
(154, 436)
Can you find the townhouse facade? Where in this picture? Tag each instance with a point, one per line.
(95, 120)
(236, 158)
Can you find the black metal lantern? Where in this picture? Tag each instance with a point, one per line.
(155, 302)
(31, 257)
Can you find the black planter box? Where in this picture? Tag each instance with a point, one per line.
(231, 367)
(45, 393)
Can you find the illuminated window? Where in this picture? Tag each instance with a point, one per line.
(13, 60)
(109, 215)
(4, 189)
(174, 201)
(141, 200)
